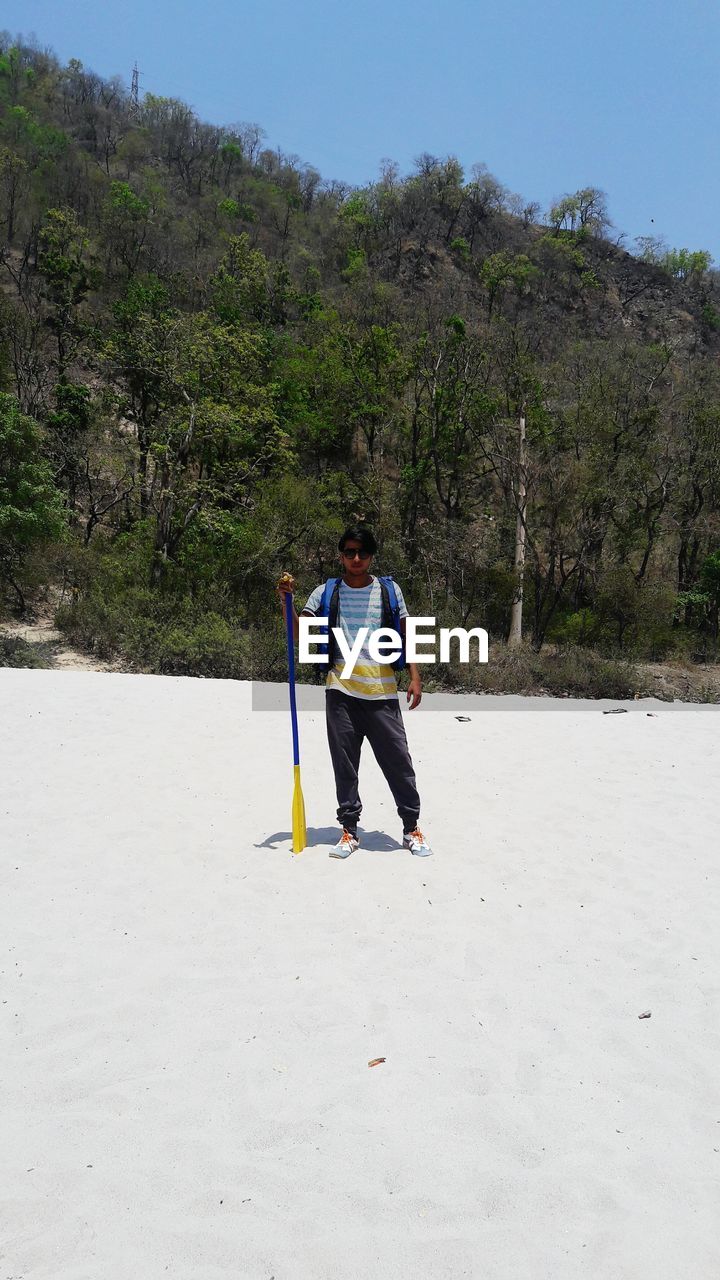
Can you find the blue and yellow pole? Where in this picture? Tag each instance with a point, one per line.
(299, 833)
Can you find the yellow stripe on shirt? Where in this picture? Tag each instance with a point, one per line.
(368, 680)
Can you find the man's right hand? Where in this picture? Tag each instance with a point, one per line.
(285, 585)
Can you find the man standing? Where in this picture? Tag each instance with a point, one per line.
(365, 704)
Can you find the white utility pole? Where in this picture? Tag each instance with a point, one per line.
(515, 636)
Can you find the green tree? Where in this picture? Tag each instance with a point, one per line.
(218, 430)
(65, 271)
(136, 357)
(584, 210)
(686, 263)
(710, 582)
(30, 507)
(14, 182)
(67, 427)
(242, 289)
(501, 270)
(126, 219)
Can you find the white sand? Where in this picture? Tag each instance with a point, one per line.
(188, 1010)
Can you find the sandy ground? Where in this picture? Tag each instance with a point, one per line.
(188, 1010)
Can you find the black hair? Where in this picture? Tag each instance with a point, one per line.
(359, 533)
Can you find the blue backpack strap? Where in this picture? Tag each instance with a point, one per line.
(388, 584)
(324, 606)
(326, 642)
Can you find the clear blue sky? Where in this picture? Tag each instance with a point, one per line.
(552, 96)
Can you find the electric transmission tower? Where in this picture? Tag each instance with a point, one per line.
(135, 89)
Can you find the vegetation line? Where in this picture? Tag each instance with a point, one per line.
(211, 359)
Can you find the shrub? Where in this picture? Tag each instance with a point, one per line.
(15, 652)
(571, 672)
(461, 247)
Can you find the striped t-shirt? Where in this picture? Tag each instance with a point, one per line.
(360, 607)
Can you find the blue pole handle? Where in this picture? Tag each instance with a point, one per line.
(291, 672)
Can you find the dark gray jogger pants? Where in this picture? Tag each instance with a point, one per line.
(349, 720)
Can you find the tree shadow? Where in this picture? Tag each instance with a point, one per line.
(317, 837)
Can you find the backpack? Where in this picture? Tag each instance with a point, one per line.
(328, 608)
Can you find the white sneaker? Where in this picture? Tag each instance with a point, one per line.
(346, 845)
(417, 844)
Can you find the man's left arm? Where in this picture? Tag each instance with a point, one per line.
(414, 689)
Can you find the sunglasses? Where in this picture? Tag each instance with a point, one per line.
(354, 552)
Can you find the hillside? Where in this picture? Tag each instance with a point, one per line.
(210, 357)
